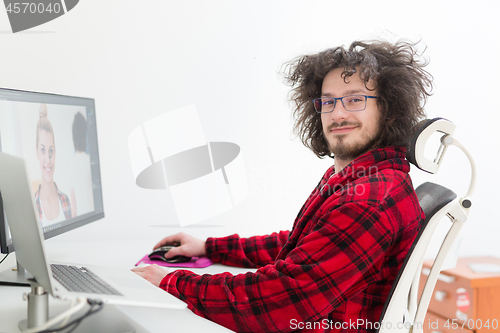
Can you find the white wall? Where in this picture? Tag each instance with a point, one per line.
(139, 59)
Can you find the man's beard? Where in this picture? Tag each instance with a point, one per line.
(345, 151)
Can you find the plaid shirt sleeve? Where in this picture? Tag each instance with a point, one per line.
(38, 206)
(330, 264)
(65, 203)
(250, 252)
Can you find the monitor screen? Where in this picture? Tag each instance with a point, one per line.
(56, 136)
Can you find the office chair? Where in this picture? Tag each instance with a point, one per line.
(403, 311)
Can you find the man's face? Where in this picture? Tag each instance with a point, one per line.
(349, 134)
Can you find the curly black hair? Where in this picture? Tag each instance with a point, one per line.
(402, 83)
(80, 132)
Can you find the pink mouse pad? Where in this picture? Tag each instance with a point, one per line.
(195, 262)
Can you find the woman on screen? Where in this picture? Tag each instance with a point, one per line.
(53, 205)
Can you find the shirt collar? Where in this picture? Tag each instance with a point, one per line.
(370, 163)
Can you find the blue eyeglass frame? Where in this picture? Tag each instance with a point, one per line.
(341, 100)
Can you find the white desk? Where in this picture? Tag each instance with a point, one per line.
(13, 309)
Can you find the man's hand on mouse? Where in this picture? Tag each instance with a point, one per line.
(152, 273)
(189, 246)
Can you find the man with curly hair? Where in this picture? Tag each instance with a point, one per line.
(334, 269)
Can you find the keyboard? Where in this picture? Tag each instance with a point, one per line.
(80, 279)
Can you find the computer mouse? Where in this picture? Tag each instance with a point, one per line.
(159, 254)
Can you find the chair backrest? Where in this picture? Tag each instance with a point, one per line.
(403, 310)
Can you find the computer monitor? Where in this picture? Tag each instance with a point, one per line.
(56, 135)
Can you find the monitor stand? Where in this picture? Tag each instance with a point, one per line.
(15, 276)
(107, 320)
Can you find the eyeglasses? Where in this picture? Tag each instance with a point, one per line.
(350, 103)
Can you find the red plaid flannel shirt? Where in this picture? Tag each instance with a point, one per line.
(332, 271)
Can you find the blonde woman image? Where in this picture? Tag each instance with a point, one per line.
(53, 205)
